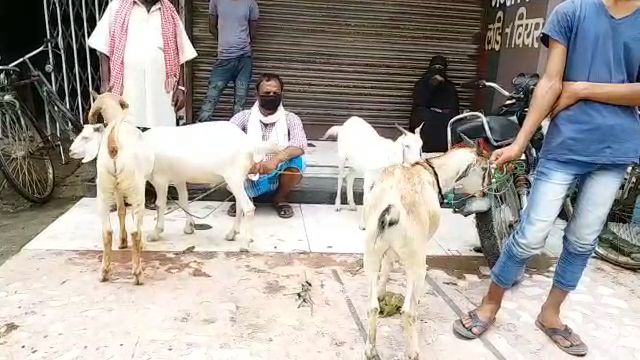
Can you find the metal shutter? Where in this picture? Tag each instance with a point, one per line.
(349, 57)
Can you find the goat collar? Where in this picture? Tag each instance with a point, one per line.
(435, 175)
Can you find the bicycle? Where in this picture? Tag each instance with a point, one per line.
(25, 143)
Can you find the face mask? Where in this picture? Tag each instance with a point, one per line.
(270, 102)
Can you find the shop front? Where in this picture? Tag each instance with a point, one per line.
(344, 58)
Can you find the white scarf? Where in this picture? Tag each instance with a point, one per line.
(279, 134)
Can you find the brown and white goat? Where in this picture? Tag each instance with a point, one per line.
(123, 164)
(401, 215)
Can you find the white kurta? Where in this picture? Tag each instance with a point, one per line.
(144, 68)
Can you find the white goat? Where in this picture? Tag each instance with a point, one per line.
(369, 153)
(402, 213)
(123, 164)
(205, 153)
(210, 152)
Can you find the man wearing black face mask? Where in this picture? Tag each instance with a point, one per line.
(278, 174)
(435, 102)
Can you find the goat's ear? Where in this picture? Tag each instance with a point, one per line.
(417, 132)
(98, 128)
(401, 129)
(94, 96)
(123, 104)
(94, 113)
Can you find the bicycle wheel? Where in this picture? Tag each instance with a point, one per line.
(24, 156)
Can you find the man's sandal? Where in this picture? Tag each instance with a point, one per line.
(231, 211)
(577, 347)
(284, 210)
(476, 323)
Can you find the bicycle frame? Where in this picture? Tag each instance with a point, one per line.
(48, 95)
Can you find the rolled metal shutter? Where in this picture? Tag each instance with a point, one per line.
(349, 57)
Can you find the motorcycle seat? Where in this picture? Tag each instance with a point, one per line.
(503, 128)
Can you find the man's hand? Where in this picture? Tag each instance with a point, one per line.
(264, 167)
(178, 99)
(506, 154)
(571, 94)
(436, 80)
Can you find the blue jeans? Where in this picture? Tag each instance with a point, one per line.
(237, 70)
(553, 179)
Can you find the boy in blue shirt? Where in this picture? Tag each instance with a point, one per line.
(590, 88)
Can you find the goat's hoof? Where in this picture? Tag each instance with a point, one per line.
(353, 208)
(362, 227)
(155, 235)
(338, 208)
(137, 277)
(231, 235)
(104, 275)
(414, 356)
(123, 245)
(371, 355)
(189, 228)
(244, 250)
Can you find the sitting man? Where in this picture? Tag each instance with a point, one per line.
(269, 121)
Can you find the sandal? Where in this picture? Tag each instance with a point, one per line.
(476, 322)
(231, 211)
(577, 347)
(285, 211)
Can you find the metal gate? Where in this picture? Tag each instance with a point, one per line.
(348, 57)
(75, 67)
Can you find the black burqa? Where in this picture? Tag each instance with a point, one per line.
(435, 102)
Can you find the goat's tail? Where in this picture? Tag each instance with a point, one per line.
(332, 132)
(389, 217)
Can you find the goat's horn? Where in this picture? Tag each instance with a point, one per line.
(400, 128)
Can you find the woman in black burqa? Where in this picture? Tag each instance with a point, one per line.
(435, 102)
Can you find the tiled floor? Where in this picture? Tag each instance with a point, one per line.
(315, 228)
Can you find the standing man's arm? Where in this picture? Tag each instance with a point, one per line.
(556, 36)
(254, 14)
(105, 72)
(186, 52)
(99, 41)
(613, 94)
(213, 17)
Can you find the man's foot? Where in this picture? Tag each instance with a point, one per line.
(561, 335)
(284, 210)
(476, 322)
(231, 211)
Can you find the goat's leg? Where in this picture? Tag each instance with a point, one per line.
(385, 269)
(136, 242)
(122, 214)
(161, 204)
(372, 263)
(416, 272)
(107, 238)
(366, 188)
(341, 174)
(244, 226)
(351, 178)
(183, 201)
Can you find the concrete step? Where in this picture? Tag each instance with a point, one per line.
(318, 186)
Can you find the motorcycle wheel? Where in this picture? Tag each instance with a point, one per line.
(495, 225)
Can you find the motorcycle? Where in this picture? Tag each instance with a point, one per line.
(497, 217)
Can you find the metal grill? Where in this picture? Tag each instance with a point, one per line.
(76, 69)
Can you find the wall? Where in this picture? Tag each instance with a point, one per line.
(510, 43)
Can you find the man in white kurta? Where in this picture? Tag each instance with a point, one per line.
(150, 103)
